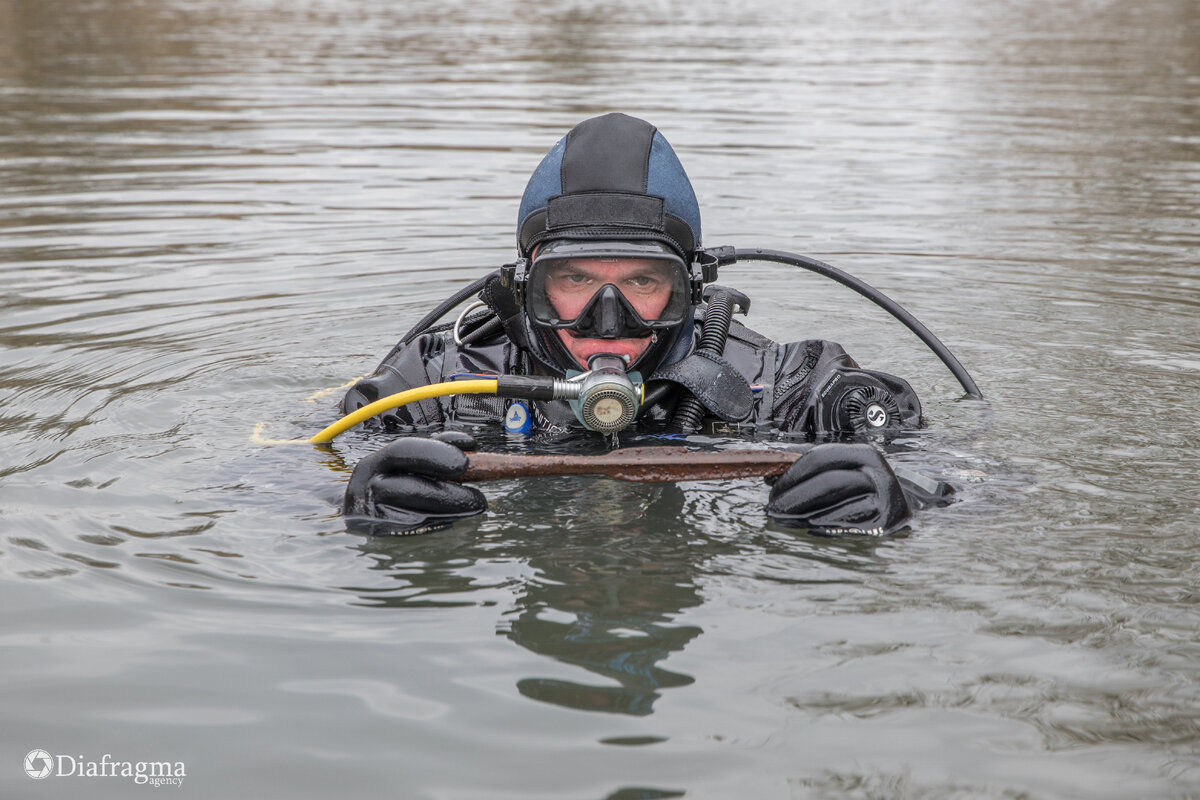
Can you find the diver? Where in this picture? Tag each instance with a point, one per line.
(612, 281)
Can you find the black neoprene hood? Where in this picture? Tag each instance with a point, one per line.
(611, 177)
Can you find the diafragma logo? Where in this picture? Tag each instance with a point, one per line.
(40, 764)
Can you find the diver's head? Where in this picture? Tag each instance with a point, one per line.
(610, 225)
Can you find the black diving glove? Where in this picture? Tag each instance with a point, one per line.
(400, 489)
(839, 488)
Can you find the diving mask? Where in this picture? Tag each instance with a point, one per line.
(608, 290)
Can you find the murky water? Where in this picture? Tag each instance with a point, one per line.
(212, 210)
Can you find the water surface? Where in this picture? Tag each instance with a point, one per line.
(210, 211)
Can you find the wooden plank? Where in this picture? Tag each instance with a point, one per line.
(645, 464)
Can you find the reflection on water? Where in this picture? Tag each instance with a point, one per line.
(601, 593)
(606, 600)
(212, 210)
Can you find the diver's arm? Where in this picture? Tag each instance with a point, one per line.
(800, 369)
(819, 390)
(418, 363)
(402, 488)
(840, 487)
(923, 491)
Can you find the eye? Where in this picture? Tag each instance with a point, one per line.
(570, 280)
(645, 282)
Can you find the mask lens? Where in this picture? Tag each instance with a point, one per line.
(644, 283)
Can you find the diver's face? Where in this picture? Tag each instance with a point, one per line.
(645, 283)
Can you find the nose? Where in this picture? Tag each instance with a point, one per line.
(611, 320)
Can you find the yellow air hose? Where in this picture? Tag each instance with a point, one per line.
(403, 398)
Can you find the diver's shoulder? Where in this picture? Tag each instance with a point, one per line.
(825, 350)
(748, 336)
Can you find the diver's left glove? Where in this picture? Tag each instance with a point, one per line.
(839, 488)
(402, 489)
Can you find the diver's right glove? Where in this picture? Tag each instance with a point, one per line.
(400, 489)
(839, 488)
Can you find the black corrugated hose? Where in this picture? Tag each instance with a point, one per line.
(689, 412)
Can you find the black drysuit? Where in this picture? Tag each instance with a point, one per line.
(792, 385)
(810, 389)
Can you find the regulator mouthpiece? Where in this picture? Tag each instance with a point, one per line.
(609, 398)
(605, 399)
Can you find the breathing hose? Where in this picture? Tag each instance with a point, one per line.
(871, 293)
(690, 411)
(445, 306)
(403, 398)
